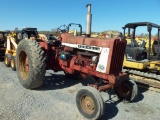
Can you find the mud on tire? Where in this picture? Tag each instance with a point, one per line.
(30, 63)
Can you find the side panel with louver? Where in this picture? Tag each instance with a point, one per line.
(116, 57)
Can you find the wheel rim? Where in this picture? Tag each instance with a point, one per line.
(12, 63)
(6, 60)
(124, 90)
(87, 104)
(23, 65)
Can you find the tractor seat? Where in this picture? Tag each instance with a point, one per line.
(134, 43)
(143, 44)
(155, 49)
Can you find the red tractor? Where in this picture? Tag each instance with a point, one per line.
(80, 55)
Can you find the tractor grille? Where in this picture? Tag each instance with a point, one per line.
(117, 56)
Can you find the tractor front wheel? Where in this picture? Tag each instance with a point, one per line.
(127, 90)
(31, 66)
(90, 103)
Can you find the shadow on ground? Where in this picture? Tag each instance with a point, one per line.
(60, 81)
(57, 82)
(1, 60)
(111, 109)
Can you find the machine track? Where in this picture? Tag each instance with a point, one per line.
(144, 78)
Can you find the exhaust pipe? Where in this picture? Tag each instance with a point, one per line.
(89, 21)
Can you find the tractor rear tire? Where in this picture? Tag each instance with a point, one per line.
(30, 64)
(127, 90)
(7, 61)
(13, 63)
(90, 103)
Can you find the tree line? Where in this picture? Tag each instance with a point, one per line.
(54, 31)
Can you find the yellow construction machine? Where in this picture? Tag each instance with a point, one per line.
(142, 56)
(7, 48)
(3, 44)
(10, 53)
(12, 40)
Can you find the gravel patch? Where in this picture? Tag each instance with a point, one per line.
(55, 100)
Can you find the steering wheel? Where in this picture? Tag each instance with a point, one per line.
(62, 29)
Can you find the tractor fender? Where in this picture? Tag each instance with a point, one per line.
(44, 45)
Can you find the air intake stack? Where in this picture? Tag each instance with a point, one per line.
(89, 21)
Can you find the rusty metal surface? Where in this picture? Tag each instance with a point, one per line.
(68, 49)
(100, 42)
(105, 87)
(115, 61)
(117, 56)
(79, 61)
(87, 104)
(44, 45)
(117, 49)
